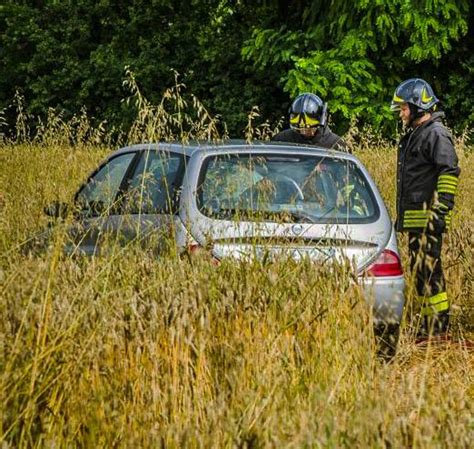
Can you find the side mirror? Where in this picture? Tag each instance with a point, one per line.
(57, 209)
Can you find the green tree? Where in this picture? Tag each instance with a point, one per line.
(234, 54)
(355, 53)
(69, 55)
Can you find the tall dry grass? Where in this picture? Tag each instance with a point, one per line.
(127, 350)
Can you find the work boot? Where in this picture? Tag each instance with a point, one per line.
(436, 325)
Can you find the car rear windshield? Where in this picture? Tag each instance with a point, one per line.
(288, 188)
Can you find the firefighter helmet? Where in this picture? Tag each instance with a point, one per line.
(417, 93)
(308, 111)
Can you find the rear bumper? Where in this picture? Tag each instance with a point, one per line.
(387, 296)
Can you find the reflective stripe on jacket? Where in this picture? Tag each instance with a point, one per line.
(427, 175)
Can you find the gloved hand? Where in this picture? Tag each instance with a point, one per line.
(437, 223)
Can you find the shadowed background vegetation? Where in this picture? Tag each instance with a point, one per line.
(234, 55)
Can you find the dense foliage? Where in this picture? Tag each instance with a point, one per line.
(234, 54)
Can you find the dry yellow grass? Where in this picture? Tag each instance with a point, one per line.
(129, 351)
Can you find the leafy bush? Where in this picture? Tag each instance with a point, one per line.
(235, 55)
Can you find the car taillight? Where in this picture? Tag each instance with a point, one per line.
(196, 248)
(387, 264)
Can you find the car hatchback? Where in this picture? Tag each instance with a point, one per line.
(248, 200)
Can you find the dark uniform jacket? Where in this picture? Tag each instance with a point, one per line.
(324, 138)
(427, 176)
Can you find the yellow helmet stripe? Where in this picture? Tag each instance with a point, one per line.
(397, 99)
(424, 96)
(311, 121)
(307, 120)
(295, 119)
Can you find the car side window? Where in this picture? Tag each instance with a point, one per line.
(99, 195)
(155, 183)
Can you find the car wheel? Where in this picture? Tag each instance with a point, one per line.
(386, 339)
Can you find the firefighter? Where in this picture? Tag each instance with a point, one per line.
(308, 124)
(427, 179)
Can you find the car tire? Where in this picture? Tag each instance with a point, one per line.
(386, 339)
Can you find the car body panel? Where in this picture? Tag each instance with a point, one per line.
(385, 293)
(357, 244)
(374, 236)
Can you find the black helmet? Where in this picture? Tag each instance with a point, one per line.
(417, 93)
(308, 111)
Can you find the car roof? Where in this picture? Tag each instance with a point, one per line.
(234, 145)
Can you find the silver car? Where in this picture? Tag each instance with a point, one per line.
(244, 200)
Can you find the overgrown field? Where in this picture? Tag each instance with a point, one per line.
(130, 351)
